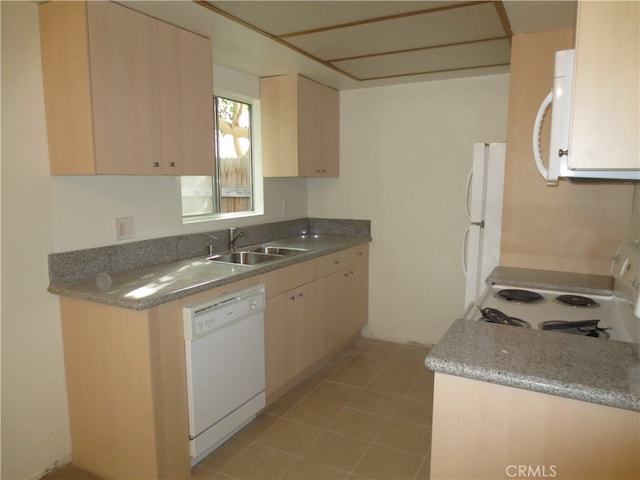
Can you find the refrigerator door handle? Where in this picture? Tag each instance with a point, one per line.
(463, 251)
(467, 192)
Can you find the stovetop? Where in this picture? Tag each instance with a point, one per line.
(598, 316)
(598, 306)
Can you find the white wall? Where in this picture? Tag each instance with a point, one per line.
(35, 428)
(405, 153)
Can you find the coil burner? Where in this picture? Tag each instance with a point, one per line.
(586, 328)
(493, 315)
(577, 301)
(519, 296)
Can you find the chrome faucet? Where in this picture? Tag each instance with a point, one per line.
(233, 237)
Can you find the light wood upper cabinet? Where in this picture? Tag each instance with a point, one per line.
(606, 100)
(300, 127)
(124, 93)
(186, 101)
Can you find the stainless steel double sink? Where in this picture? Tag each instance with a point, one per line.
(256, 255)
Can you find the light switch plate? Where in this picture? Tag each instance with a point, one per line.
(125, 229)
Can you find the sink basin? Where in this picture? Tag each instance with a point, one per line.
(274, 250)
(244, 258)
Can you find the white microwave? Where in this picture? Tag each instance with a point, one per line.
(560, 97)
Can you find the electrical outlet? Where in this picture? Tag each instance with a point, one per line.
(125, 229)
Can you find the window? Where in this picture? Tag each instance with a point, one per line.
(231, 190)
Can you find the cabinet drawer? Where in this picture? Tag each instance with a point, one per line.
(339, 260)
(290, 277)
(294, 276)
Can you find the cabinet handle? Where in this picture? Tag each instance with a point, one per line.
(337, 262)
(301, 294)
(155, 164)
(562, 153)
(172, 164)
(292, 297)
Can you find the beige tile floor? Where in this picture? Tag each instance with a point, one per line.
(366, 414)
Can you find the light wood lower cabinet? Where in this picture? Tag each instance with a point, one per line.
(126, 369)
(345, 302)
(306, 324)
(483, 430)
(293, 333)
(127, 387)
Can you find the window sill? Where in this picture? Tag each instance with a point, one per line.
(220, 216)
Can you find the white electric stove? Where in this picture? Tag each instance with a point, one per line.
(574, 309)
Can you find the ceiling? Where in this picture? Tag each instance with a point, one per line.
(356, 44)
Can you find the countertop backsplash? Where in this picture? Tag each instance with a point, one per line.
(73, 266)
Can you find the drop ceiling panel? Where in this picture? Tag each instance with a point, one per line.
(534, 16)
(455, 57)
(283, 17)
(429, 29)
(262, 49)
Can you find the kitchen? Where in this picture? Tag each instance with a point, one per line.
(60, 215)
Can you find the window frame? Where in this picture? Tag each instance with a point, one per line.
(256, 166)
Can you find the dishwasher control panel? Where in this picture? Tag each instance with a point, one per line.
(204, 317)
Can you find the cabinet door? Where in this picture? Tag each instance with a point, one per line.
(605, 131)
(318, 129)
(294, 333)
(358, 287)
(279, 338)
(123, 48)
(331, 133)
(186, 102)
(309, 324)
(279, 123)
(345, 309)
(310, 128)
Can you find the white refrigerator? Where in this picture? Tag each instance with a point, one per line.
(483, 207)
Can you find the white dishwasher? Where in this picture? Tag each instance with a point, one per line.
(224, 340)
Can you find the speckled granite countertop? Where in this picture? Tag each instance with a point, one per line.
(587, 369)
(149, 286)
